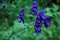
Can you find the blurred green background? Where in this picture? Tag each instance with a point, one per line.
(11, 29)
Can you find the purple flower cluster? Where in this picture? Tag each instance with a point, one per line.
(38, 25)
(41, 18)
(21, 16)
(34, 8)
(47, 22)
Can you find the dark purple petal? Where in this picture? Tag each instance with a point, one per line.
(41, 14)
(21, 16)
(34, 8)
(47, 22)
(35, 3)
(41, 19)
(37, 28)
(22, 11)
(37, 21)
(38, 25)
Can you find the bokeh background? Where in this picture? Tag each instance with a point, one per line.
(11, 29)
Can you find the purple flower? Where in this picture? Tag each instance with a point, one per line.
(21, 16)
(34, 8)
(38, 25)
(47, 22)
(41, 14)
(35, 4)
(44, 18)
(41, 19)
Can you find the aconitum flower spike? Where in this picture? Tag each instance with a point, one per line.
(41, 19)
(44, 18)
(42, 14)
(34, 8)
(21, 16)
(47, 22)
(38, 25)
(35, 4)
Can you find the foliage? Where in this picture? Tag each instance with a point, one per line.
(11, 29)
